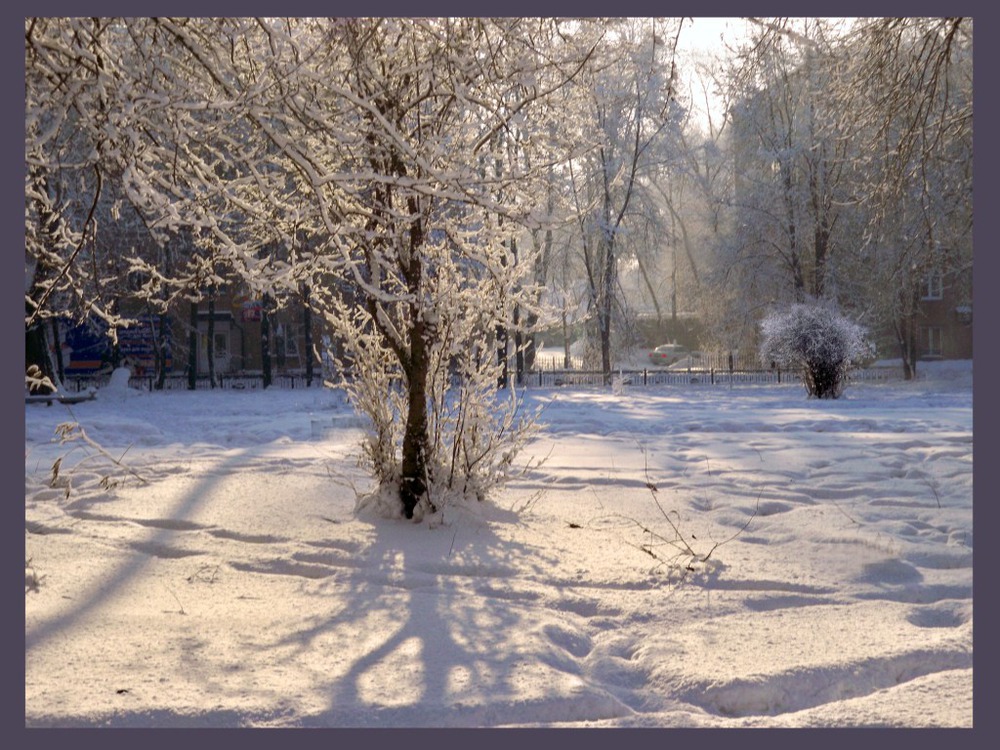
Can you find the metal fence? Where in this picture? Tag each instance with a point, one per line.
(744, 361)
(692, 376)
(239, 382)
(541, 378)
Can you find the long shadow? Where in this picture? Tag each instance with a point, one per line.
(89, 601)
(446, 659)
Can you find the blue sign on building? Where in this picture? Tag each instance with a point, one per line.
(87, 347)
(137, 345)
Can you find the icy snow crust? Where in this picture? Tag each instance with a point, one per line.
(236, 587)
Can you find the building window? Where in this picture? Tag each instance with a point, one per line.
(932, 341)
(222, 345)
(933, 285)
(286, 346)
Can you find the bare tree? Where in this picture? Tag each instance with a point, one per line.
(852, 145)
(630, 106)
(791, 178)
(354, 157)
(907, 95)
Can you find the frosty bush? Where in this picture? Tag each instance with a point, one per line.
(473, 430)
(817, 339)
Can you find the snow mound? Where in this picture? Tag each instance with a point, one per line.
(117, 388)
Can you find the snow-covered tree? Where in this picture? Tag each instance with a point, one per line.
(906, 97)
(629, 107)
(818, 340)
(433, 260)
(66, 108)
(387, 165)
(791, 185)
(852, 151)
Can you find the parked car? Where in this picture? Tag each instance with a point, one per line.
(667, 354)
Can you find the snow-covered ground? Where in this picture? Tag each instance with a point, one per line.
(220, 577)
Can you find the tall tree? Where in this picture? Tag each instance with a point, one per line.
(853, 147)
(630, 102)
(791, 156)
(907, 95)
(368, 136)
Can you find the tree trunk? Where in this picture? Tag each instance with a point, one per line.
(530, 352)
(541, 267)
(60, 367)
(518, 348)
(163, 350)
(822, 243)
(605, 303)
(567, 359)
(158, 347)
(905, 324)
(504, 377)
(909, 346)
(518, 343)
(36, 347)
(164, 342)
(265, 340)
(210, 343)
(193, 348)
(414, 477)
(36, 350)
(604, 329)
(307, 333)
(794, 262)
(823, 230)
(413, 482)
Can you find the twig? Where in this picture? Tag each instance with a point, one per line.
(846, 514)
(181, 611)
(199, 575)
(933, 489)
(69, 431)
(741, 530)
(679, 541)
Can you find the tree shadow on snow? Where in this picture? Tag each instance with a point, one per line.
(429, 627)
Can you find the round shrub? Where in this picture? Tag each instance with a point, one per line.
(818, 340)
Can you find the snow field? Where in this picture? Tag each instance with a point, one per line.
(236, 586)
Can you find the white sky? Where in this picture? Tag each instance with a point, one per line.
(702, 39)
(705, 33)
